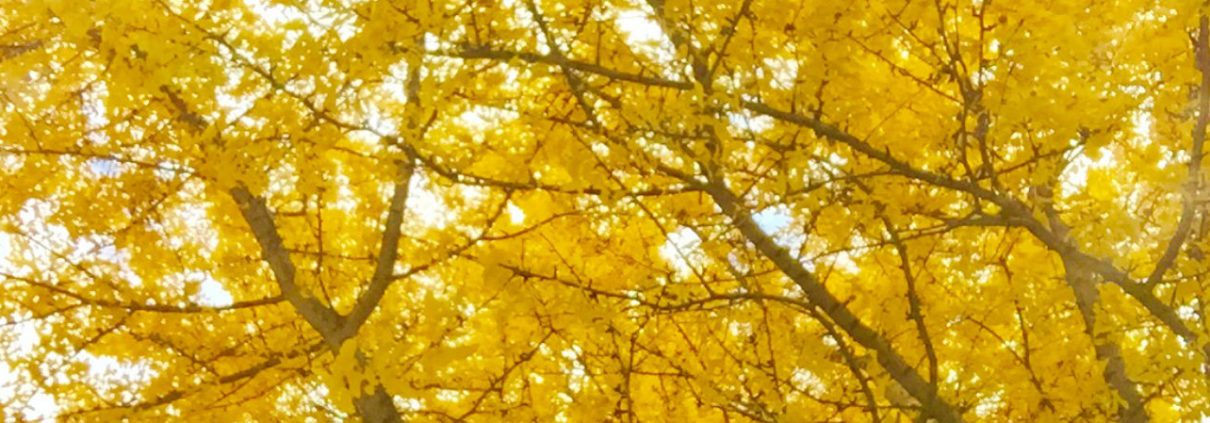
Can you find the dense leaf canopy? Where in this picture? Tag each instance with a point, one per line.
(604, 210)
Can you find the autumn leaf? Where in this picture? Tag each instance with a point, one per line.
(580, 210)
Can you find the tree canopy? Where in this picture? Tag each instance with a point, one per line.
(604, 210)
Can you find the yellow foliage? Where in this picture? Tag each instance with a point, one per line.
(577, 210)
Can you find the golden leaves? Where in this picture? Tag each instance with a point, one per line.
(564, 255)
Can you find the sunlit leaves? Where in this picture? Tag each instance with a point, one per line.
(572, 245)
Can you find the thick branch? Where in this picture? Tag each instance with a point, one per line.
(377, 407)
(257, 214)
(1017, 213)
(1202, 52)
(907, 377)
(388, 254)
(926, 393)
(323, 319)
(1080, 279)
(374, 408)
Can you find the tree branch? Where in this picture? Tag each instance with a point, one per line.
(388, 254)
(1080, 278)
(323, 319)
(932, 404)
(1016, 212)
(156, 308)
(474, 51)
(1185, 224)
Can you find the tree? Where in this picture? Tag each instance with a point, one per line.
(596, 210)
